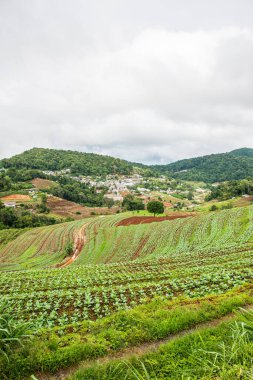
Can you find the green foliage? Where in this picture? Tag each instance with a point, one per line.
(79, 163)
(155, 207)
(16, 180)
(212, 168)
(11, 218)
(227, 206)
(190, 357)
(235, 165)
(86, 307)
(132, 203)
(228, 190)
(57, 348)
(8, 235)
(246, 318)
(109, 202)
(12, 333)
(68, 249)
(213, 208)
(76, 191)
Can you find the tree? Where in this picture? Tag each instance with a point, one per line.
(190, 195)
(155, 207)
(132, 203)
(109, 202)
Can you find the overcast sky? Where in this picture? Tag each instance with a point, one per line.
(146, 80)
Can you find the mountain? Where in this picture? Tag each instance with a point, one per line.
(79, 163)
(243, 152)
(237, 164)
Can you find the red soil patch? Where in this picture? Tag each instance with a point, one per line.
(16, 197)
(150, 219)
(40, 183)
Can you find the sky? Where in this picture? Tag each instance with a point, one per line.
(149, 81)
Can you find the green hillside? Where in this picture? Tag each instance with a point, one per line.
(104, 242)
(234, 165)
(77, 162)
(119, 286)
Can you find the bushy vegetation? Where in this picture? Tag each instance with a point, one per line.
(155, 207)
(78, 192)
(12, 218)
(230, 189)
(212, 168)
(78, 163)
(132, 203)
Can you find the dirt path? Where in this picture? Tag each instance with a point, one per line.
(78, 246)
(140, 350)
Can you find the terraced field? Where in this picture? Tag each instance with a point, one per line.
(113, 269)
(193, 257)
(105, 242)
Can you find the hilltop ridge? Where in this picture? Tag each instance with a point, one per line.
(234, 165)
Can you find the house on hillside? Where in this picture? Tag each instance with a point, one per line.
(10, 204)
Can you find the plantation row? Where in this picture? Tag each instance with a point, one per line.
(106, 243)
(63, 296)
(45, 246)
(211, 231)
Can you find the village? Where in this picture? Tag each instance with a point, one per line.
(174, 194)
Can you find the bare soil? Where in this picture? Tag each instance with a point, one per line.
(16, 198)
(65, 209)
(40, 183)
(150, 219)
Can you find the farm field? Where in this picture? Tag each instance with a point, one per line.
(199, 266)
(63, 208)
(105, 242)
(235, 202)
(16, 198)
(40, 183)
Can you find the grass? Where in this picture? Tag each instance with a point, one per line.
(222, 352)
(8, 235)
(55, 349)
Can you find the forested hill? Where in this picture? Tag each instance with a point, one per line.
(79, 163)
(237, 164)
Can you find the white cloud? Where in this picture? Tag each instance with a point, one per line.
(160, 95)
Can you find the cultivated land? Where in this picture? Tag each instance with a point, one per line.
(93, 290)
(65, 209)
(124, 284)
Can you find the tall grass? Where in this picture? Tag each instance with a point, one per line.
(12, 334)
